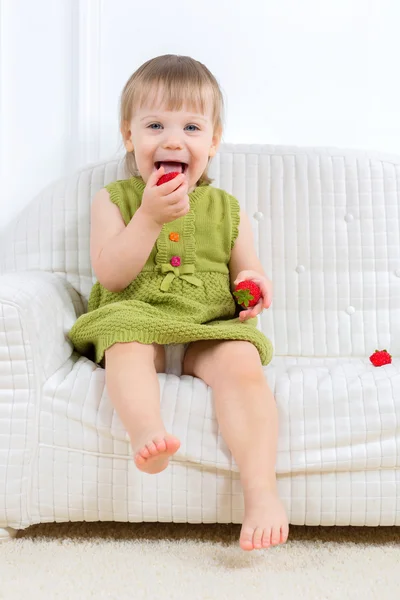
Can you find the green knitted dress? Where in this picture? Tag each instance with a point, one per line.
(183, 292)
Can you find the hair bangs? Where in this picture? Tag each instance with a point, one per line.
(174, 96)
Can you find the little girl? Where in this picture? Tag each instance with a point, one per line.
(166, 258)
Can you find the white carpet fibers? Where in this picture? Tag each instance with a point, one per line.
(165, 561)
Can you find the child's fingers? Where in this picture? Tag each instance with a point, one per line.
(176, 195)
(257, 309)
(265, 292)
(264, 285)
(168, 187)
(155, 176)
(266, 300)
(245, 315)
(249, 313)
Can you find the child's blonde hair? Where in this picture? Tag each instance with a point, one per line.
(184, 81)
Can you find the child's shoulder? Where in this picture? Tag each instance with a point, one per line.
(131, 182)
(227, 204)
(222, 193)
(126, 190)
(126, 194)
(227, 198)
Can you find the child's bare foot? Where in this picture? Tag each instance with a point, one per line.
(265, 521)
(153, 456)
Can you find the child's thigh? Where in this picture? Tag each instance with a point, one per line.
(210, 360)
(133, 354)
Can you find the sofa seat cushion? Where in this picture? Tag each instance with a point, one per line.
(335, 414)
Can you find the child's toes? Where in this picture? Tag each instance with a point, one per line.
(152, 447)
(266, 538)
(154, 456)
(284, 533)
(171, 444)
(144, 452)
(139, 460)
(276, 536)
(161, 445)
(257, 536)
(246, 539)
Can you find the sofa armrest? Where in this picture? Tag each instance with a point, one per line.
(37, 309)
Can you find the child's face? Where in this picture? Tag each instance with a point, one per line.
(182, 136)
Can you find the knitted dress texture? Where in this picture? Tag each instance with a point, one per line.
(183, 292)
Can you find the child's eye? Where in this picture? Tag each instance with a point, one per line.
(155, 126)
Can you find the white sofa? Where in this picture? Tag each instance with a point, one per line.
(327, 227)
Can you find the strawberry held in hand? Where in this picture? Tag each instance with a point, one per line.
(167, 177)
(380, 357)
(247, 293)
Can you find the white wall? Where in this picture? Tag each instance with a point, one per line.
(298, 73)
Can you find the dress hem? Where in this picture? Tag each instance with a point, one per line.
(211, 332)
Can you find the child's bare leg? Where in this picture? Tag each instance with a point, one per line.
(248, 420)
(132, 384)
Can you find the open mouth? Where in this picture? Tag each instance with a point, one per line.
(172, 165)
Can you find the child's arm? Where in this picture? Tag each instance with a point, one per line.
(245, 264)
(243, 256)
(118, 252)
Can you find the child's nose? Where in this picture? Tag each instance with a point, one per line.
(172, 143)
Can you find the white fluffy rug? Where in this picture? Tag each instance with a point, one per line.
(165, 561)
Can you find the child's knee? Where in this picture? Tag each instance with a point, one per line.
(241, 362)
(137, 352)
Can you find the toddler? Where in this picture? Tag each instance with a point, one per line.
(166, 258)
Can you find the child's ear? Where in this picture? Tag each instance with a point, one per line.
(124, 129)
(215, 142)
(126, 136)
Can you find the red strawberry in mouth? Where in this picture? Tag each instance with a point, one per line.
(247, 293)
(380, 357)
(167, 177)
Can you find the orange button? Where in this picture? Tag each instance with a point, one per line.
(174, 237)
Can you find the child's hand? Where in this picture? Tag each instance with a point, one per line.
(265, 286)
(166, 202)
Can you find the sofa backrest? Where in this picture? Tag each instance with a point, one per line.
(326, 225)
